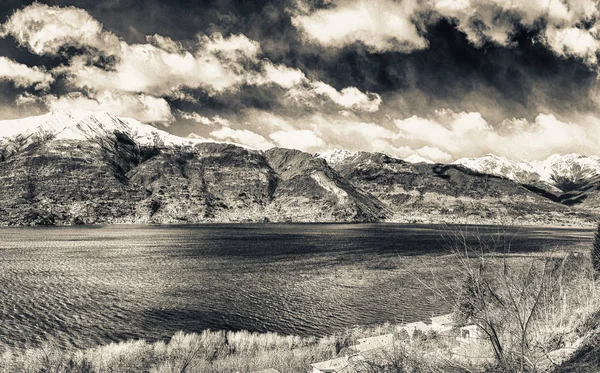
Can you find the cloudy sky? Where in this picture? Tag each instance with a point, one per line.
(443, 79)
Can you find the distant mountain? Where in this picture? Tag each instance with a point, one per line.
(73, 167)
(451, 193)
(336, 156)
(562, 173)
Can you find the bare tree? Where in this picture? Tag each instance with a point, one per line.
(504, 295)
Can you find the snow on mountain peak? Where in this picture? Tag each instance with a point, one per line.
(73, 124)
(557, 167)
(335, 156)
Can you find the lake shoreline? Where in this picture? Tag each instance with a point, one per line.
(589, 225)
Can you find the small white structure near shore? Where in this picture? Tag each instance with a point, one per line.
(442, 323)
(371, 343)
(470, 333)
(412, 327)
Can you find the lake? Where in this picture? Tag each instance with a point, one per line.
(82, 286)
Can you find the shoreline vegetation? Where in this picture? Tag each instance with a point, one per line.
(529, 221)
(537, 312)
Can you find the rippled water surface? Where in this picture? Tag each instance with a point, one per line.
(81, 286)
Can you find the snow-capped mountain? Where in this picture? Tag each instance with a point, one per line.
(73, 166)
(84, 124)
(564, 172)
(335, 156)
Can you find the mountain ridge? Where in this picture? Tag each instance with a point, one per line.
(73, 167)
(564, 172)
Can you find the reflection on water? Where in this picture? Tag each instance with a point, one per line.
(80, 286)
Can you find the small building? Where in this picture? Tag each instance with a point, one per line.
(442, 322)
(412, 327)
(469, 333)
(371, 343)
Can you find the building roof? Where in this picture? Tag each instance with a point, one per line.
(380, 341)
(442, 319)
(418, 325)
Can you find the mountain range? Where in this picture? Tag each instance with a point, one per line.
(82, 167)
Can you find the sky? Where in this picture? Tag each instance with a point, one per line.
(442, 79)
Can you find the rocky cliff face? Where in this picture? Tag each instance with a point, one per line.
(85, 167)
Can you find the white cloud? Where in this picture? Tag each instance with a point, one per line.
(45, 29)
(242, 137)
(232, 47)
(144, 108)
(24, 76)
(26, 99)
(196, 118)
(443, 136)
(215, 120)
(382, 25)
(284, 76)
(349, 97)
(574, 42)
(214, 66)
(451, 132)
(387, 25)
(304, 140)
(495, 20)
(433, 153)
(448, 135)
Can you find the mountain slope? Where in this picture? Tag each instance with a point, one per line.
(305, 179)
(450, 193)
(88, 167)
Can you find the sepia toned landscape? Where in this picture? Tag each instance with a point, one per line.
(299, 186)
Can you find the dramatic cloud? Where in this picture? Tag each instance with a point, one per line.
(23, 75)
(387, 25)
(433, 78)
(383, 25)
(214, 66)
(497, 21)
(46, 29)
(574, 42)
(128, 76)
